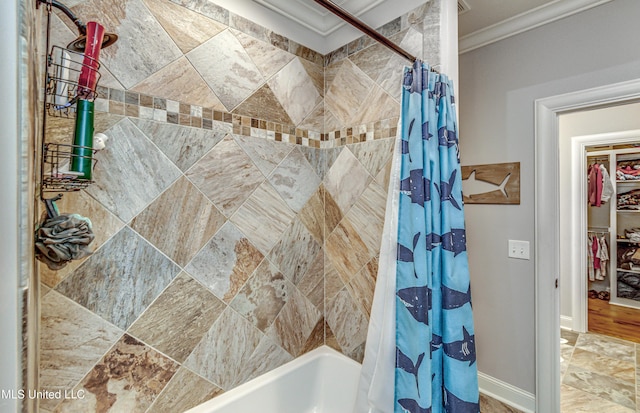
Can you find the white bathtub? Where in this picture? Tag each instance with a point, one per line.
(321, 381)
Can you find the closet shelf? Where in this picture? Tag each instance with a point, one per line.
(625, 270)
(626, 211)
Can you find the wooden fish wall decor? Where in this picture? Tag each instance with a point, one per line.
(497, 183)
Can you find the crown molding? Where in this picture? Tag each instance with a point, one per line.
(547, 13)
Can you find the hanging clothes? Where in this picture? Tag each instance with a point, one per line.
(607, 185)
(604, 256)
(597, 256)
(600, 187)
(433, 345)
(595, 185)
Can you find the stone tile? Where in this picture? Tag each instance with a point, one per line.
(598, 363)
(179, 222)
(391, 76)
(295, 252)
(317, 159)
(347, 92)
(380, 105)
(373, 155)
(347, 322)
(263, 296)
(121, 279)
(332, 155)
(607, 346)
(316, 74)
(570, 336)
(248, 27)
(362, 286)
(263, 104)
(566, 352)
(72, 340)
(295, 90)
(331, 121)
(184, 391)
(330, 338)
(312, 284)
(615, 390)
(223, 353)
(333, 283)
(574, 400)
(295, 180)
(367, 216)
(314, 121)
(346, 250)
(305, 53)
(372, 60)
(226, 166)
(137, 31)
(266, 357)
(265, 154)
(264, 217)
(384, 176)
(179, 81)
(206, 8)
(188, 29)
(332, 214)
(124, 170)
(346, 180)
(178, 318)
(104, 225)
(268, 59)
(183, 146)
(312, 215)
(226, 262)
(316, 338)
(60, 129)
(490, 405)
(127, 379)
(227, 68)
(295, 323)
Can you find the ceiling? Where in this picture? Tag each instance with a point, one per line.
(485, 13)
(481, 22)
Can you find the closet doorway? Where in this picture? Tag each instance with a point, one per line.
(549, 178)
(605, 135)
(597, 370)
(613, 239)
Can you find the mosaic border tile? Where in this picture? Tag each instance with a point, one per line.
(137, 105)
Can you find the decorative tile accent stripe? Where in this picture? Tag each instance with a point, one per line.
(158, 109)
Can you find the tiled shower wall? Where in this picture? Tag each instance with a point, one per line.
(238, 206)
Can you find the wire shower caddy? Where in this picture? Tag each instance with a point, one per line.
(62, 91)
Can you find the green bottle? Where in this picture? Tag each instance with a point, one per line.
(81, 160)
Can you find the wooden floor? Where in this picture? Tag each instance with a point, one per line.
(614, 320)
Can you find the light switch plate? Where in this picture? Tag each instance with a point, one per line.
(519, 249)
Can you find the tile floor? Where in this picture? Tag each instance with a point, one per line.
(599, 374)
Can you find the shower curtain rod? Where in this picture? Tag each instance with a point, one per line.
(364, 28)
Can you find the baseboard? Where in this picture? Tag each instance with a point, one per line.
(506, 393)
(566, 322)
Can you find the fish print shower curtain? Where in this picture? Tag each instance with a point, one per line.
(435, 367)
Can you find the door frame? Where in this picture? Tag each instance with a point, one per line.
(579, 224)
(547, 228)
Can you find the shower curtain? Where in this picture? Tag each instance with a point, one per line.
(420, 353)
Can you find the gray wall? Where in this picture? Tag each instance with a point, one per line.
(498, 86)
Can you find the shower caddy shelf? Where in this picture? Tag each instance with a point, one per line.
(61, 92)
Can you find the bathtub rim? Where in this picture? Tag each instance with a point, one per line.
(232, 395)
